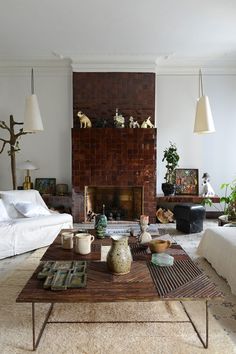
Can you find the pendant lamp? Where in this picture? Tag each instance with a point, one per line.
(203, 120)
(33, 120)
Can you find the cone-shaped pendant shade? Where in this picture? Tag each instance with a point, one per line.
(203, 120)
(33, 120)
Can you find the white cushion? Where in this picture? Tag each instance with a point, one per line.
(31, 210)
(3, 213)
(10, 198)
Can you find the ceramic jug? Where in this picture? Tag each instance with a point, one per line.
(119, 257)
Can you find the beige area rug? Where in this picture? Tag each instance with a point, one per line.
(145, 338)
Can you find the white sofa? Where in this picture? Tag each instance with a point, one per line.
(40, 226)
(218, 246)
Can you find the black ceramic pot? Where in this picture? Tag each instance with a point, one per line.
(168, 188)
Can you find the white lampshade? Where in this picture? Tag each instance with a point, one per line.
(26, 165)
(203, 120)
(33, 120)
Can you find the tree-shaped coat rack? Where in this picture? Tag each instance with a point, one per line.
(13, 143)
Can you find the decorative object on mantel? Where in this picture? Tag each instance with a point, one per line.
(133, 123)
(207, 190)
(85, 122)
(203, 120)
(119, 257)
(28, 166)
(164, 216)
(119, 120)
(172, 158)
(145, 236)
(147, 123)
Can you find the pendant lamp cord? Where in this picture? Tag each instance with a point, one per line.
(32, 81)
(200, 84)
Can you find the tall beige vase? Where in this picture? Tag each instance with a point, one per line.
(119, 257)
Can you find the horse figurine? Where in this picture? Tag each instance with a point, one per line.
(85, 122)
(147, 123)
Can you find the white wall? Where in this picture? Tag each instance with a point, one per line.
(50, 150)
(176, 97)
(175, 114)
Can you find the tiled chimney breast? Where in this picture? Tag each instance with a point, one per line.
(113, 156)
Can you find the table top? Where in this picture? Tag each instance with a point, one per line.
(145, 282)
(55, 252)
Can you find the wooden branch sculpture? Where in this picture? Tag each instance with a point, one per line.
(13, 141)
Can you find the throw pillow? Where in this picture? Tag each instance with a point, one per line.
(30, 210)
(3, 213)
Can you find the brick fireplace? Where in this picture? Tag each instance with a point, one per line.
(112, 166)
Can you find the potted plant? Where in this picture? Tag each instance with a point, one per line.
(172, 158)
(229, 202)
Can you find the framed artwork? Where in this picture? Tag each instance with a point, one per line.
(46, 185)
(186, 181)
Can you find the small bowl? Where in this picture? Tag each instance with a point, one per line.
(158, 246)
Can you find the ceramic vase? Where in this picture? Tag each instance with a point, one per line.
(119, 257)
(100, 225)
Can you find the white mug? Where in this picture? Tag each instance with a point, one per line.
(83, 243)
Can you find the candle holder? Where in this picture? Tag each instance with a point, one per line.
(144, 236)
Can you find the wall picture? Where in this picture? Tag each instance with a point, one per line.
(186, 181)
(46, 185)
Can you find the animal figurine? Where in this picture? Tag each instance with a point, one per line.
(133, 123)
(147, 123)
(85, 122)
(119, 120)
(207, 190)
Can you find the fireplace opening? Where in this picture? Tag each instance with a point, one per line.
(118, 203)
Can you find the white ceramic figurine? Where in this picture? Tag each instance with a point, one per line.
(207, 190)
(85, 122)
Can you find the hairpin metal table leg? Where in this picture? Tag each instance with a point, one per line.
(37, 340)
(204, 343)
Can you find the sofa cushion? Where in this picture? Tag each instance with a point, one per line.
(31, 210)
(10, 198)
(3, 213)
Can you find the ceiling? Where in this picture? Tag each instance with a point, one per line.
(164, 31)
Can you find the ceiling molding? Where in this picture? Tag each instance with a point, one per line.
(114, 63)
(166, 64)
(41, 67)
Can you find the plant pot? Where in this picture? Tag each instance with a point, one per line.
(168, 188)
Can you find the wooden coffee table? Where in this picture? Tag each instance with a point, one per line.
(183, 281)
